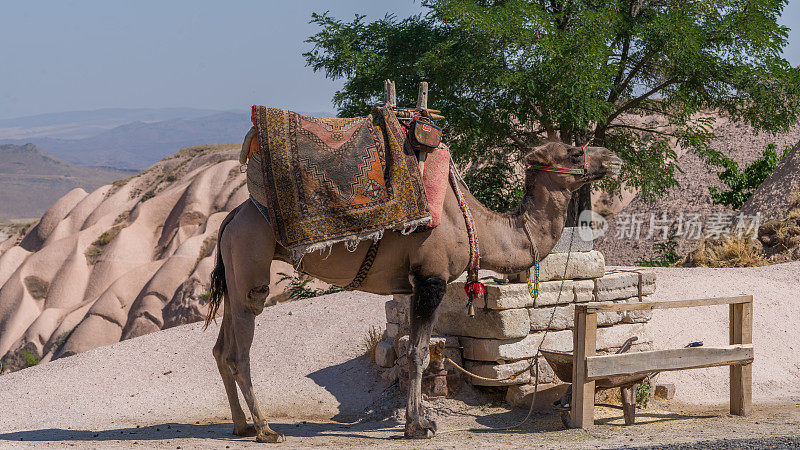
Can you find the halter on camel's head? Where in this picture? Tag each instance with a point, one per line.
(585, 163)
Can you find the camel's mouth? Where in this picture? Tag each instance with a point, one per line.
(612, 165)
(605, 163)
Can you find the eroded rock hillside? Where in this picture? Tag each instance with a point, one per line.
(128, 259)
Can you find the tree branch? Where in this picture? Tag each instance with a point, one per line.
(635, 70)
(637, 100)
(645, 130)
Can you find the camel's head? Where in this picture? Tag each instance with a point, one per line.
(571, 167)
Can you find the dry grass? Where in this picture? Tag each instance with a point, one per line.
(37, 287)
(732, 251)
(781, 237)
(95, 250)
(371, 339)
(122, 217)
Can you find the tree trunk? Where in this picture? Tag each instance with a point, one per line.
(583, 199)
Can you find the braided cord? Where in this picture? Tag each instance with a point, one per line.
(474, 252)
(533, 286)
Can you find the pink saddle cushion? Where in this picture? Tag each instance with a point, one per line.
(435, 173)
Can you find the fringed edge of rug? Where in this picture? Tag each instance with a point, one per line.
(351, 242)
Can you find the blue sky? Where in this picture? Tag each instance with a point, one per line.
(81, 55)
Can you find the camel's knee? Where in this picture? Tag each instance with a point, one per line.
(256, 298)
(428, 293)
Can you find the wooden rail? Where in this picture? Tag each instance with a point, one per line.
(587, 367)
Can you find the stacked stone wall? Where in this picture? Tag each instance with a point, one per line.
(509, 326)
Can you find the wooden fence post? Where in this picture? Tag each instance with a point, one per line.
(741, 332)
(584, 343)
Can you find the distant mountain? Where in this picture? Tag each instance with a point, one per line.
(139, 144)
(31, 180)
(81, 124)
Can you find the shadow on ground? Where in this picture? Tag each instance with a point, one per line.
(216, 431)
(363, 396)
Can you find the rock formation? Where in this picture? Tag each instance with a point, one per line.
(128, 259)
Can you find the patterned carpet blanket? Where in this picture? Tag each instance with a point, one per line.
(330, 180)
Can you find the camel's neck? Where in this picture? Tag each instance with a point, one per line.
(504, 243)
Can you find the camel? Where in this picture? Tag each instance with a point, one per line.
(420, 263)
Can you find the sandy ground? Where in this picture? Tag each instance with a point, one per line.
(776, 328)
(162, 390)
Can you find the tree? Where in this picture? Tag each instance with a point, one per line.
(509, 73)
(742, 183)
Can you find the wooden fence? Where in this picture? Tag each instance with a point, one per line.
(588, 367)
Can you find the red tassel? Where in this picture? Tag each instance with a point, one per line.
(475, 289)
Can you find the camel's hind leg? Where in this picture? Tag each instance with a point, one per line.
(247, 252)
(226, 346)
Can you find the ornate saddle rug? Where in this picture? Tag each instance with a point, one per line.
(330, 180)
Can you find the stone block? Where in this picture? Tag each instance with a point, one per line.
(513, 295)
(549, 292)
(584, 290)
(617, 285)
(397, 311)
(450, 342)
(521, 395)
(490, 324)
(609, 318)
(562, 318)
(394, 331)
(546, 373)
(384, 354)
(498, 296)
(608, 338)
(498, 371)
(582, 265)
(455, 355)
(497, 350)
(643, 316)
(665, 391)
(570, 240)
(612, 338)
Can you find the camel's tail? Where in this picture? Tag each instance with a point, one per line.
(218, 284)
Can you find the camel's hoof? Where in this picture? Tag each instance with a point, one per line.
(247, 430)
(425, 429)
(275, 438)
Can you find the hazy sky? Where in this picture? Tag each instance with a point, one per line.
(79, 55)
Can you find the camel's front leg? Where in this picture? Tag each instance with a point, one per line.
(428, 293)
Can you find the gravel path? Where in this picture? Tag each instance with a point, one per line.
(788, 442)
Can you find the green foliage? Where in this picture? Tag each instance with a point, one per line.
(495, 184)
(148, 195)
(30, 359)
(644, 391)
(666, 254)
(507, 74)
(298, 287)
(742, 183)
